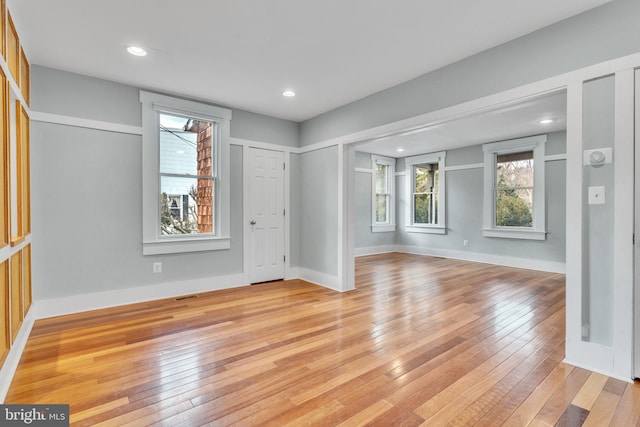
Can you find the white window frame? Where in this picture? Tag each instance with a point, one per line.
(153, 243)
(390, 225)
(491, 151)
(410, 163)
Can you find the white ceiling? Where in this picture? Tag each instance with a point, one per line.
(244, 53)
(518, 119)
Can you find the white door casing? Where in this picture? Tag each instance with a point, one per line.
(266, 215)
(636, 309)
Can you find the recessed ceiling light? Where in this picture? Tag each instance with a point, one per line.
(137, 51)
(288, 93)
(545, 121)
(400, 150)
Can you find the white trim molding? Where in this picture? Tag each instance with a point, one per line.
(71, 304)
(10, 365)
(464, 167)
(376, 250)
(364, 170)
(59, 119)
(507, 261)
(321, 279)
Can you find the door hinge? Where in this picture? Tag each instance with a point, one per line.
(284, 258)
(284, 166)
(284, 212)
(633, 238)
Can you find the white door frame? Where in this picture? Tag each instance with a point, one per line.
(636, 243)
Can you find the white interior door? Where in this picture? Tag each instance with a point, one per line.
(266, 214)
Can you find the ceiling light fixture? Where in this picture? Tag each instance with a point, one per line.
(289, 93)
(400, 150)
(136, 51)
(545, 121)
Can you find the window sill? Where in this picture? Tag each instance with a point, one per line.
(177, 246)
(515, 234)
(426, 229)
(382, 228)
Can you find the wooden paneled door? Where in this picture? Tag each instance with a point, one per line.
(5, 320)
(16, 294)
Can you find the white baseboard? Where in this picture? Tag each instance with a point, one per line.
(596, 370)
(320, 279)
(45, 308)
(292, 273)
(530, 264)
(15, 353)
(375, 250)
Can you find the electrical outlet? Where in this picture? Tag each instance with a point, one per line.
(157, 267)
(465, 242)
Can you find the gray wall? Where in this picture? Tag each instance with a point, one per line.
(318, 185)
(597, 234)
(75, 95)
(364, 237)
(600, 34)
(464, 199)
(294, 209)
(87, 188)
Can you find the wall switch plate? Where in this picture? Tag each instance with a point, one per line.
(465, 242)
(596, 195)
(157, 267)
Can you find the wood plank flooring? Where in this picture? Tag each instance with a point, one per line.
(422, 341)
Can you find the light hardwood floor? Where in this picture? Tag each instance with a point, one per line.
(422, 341)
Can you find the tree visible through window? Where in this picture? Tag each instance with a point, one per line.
(187, 175)
(514, 190)
(425, 193)
(382, 193)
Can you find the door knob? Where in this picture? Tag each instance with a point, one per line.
(253, 222)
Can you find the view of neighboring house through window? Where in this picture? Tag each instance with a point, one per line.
(187, 174)
(514, 190)
(425, 193)
(383, 209)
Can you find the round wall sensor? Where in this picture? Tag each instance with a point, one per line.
(597, 157)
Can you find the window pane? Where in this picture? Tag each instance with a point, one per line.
(425, 209)
(381, 179)
(514, 207)
(186, 205)
(514, 170)
(426, 178)
(186, 146)
(382, 204)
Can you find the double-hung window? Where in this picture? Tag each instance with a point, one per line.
(185, 181)
(426, 193)
(383, 184)
(514, 188)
